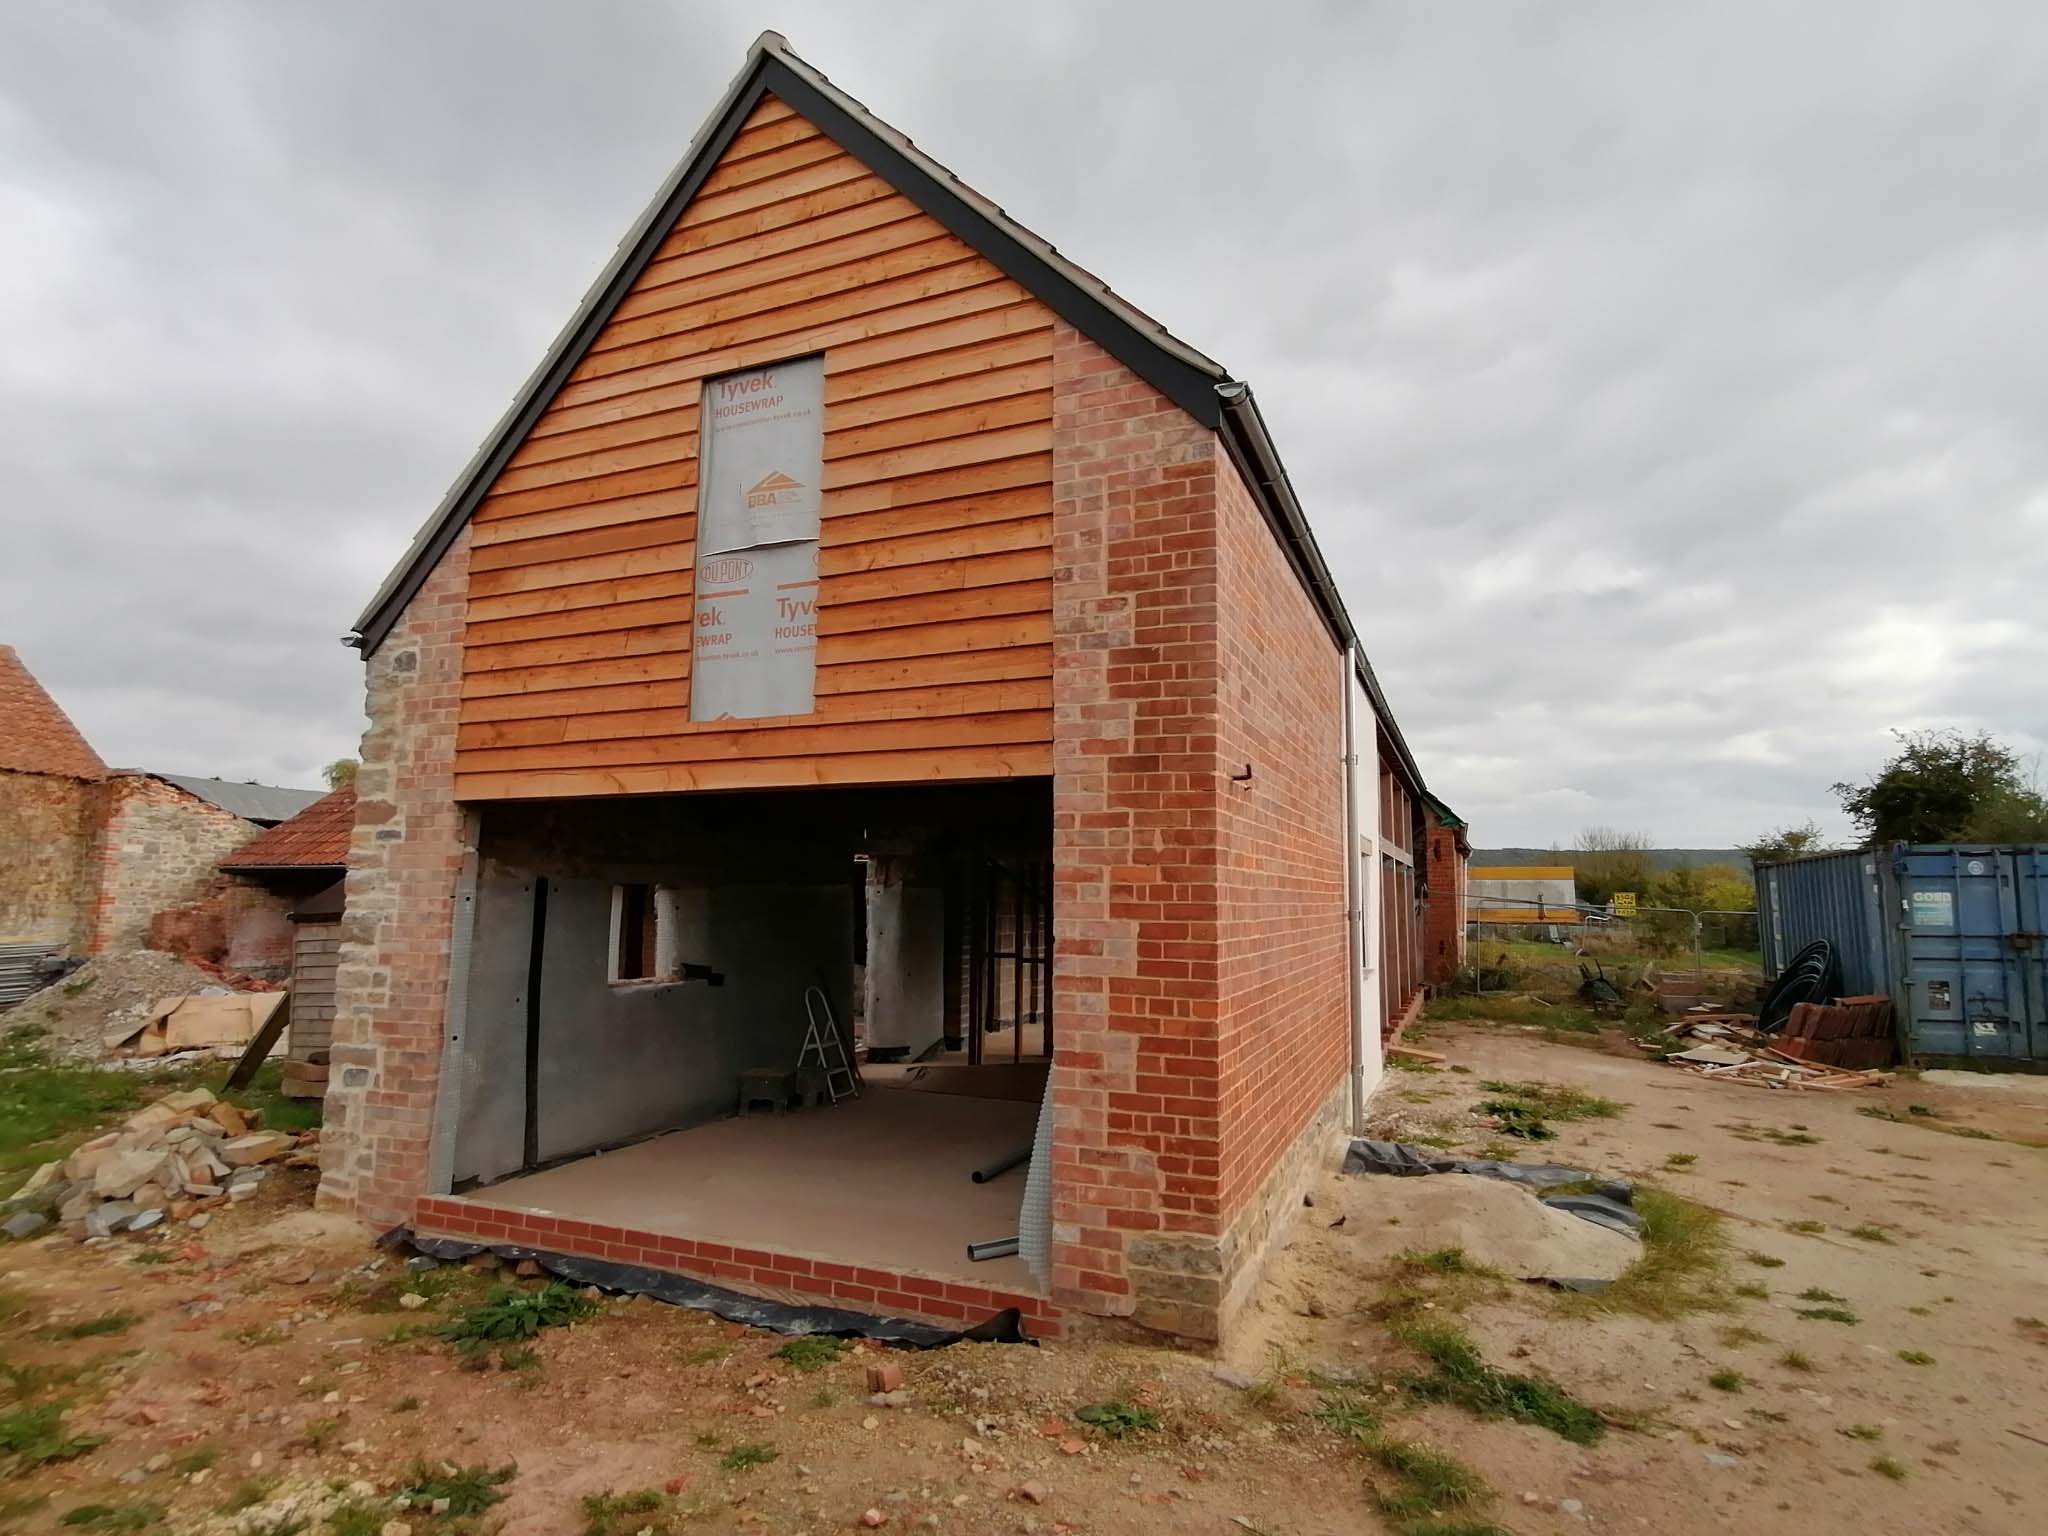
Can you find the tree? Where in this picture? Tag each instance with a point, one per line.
(339, 772)
(1937, 785)
(1787, 843)
(1605, 861)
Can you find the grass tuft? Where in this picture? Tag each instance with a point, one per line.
(1798, 1360)
(1117, 1418)
(93, 1327)
(509, 1314)
(812, 1352)
(468, 1490)
(1831, 1315)
(742, 1457)
(1916, 1357)
(35, 1435)
(621, 1514)
(114, 1517)
(1461, 1376)
(1683, 1268)
(1727, 1381)
(1885, 1466)
(1429, 1481)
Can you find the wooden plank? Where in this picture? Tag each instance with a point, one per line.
(931, 671)
(580, 621)
(937, 576)
(1030, 376)
(940, 485)
(744, 170)
(774, 252)
(856, 357)
(581, 674)
(991, 538)
(654, 386)
(947, 277)
(564, 573)
(675, 476)
(641, 533)
(895, 464)
(962, 636)
(783, 188)
(581, 703)
(588, 594)
(602, 514)
(685, 240)
(672, 717)
(933, 516)
(770, 738)
(602, 459)
(539, 448)
(943, 607)
(910, 244)
(962, 763)
(558, 650)
(1006, 405)
(758, 137)
(847, 389)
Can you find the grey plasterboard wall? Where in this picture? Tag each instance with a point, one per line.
(490, 1140)
(618, 1062)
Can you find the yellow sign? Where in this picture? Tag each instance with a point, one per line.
(1624, 903)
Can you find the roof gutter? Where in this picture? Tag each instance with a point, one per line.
(1251, 449)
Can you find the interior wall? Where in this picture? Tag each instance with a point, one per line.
(774, 879)
(619, 1060)
(906, 1005)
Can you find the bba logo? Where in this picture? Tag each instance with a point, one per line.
(774, 489)
(727, 568)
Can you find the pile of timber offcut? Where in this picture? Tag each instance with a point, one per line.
(1728, 1047)
(178, 1160)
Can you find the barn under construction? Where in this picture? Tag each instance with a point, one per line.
(868, 638)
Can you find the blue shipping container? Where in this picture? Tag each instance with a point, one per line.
(1956, 934)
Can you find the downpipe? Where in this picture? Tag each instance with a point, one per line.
(1354, 919)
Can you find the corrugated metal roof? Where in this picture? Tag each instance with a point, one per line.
(265, 804)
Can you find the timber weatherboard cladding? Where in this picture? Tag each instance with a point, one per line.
(935, 556)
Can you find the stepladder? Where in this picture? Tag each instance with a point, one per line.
(824, 1048)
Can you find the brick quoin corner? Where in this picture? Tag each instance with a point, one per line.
(1199, 921)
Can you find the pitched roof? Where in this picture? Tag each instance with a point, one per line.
(36, 736)
(1193, 381)
(316, 838)
(265, 804)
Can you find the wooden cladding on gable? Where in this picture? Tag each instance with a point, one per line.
(935, 561)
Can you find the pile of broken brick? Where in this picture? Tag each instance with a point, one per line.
(178, 1160)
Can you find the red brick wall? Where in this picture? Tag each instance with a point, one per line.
(1443, 934)
(1200, 924)
(1135, 804)
(1285, 1005)
(392, 982)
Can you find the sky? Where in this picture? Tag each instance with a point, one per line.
(1665, 382)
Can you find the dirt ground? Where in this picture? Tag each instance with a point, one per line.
(271, 1364)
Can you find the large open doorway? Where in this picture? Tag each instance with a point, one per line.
(642, 975)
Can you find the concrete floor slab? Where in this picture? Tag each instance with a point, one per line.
(881, 1180)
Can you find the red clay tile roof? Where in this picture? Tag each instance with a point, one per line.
(316, 838)
(35, 735)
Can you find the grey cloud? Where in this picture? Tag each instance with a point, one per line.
(1664, 382)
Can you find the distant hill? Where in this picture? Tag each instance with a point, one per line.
(1660, 858)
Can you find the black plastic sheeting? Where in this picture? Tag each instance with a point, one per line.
(1004, 1327)
(1610, 1203)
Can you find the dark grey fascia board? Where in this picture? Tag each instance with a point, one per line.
(1257, 460)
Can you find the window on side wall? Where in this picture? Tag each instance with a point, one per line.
(656, 930)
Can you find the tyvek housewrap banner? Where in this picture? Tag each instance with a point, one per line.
(754, 649)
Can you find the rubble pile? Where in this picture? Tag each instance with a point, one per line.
(1731, 1048)
(178, 1160)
